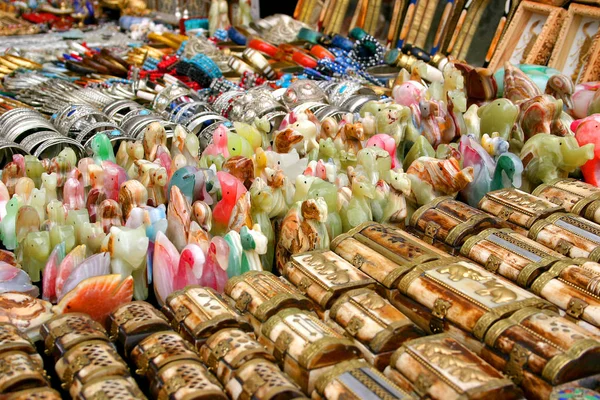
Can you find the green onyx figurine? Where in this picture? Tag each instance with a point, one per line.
(102, 149)
(358, 210)
(36, 250)
(421, 148)
(261, 197)
(499, 116)
(63, 233)
(328, 192)
(34, 170)
(8, 225)
(547, 157)
(77, 218)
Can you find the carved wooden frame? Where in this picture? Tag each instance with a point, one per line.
(591, 69)
(542, 49)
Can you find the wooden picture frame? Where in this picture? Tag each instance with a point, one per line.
(531, 35)
(576, 44)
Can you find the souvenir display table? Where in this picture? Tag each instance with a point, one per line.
(324, 206)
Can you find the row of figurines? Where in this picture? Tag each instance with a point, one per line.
(445, 328)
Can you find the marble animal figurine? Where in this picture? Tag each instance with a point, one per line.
(261, 197)
(431, 178)
(587, 132)
(34, 170)
(561, 87)
(73, 194)
(386, 143)
(154, 138)
(546, 157)
(127, 248)
(179, 216)
(113, 176)
(358, 210)
(8, 229)
(109, 214)
(328, 192)
(132, 194)
(92, 235)
(303, 229)
(36, 249)
(488, 174)
(102, 149)
(214, 274)
(541, 114)
(498, 116)
(584, 96)
(518, 86)
(28, 220)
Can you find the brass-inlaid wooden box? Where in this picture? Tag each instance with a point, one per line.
(11, 339)
(521, 210)
(87, 361)
(63, 332)
(262, 295)
(185, 379)
(574, 286)
(384, 252)
(229, 349)
(41, 393)
(323, 276)
(573, 195)
(568, 234)
(134, 321)
(451, 222)
(111, 387)
(159, 349)
(440, 367)
(261, 379)
(511, 255)
(305, 346)
(546, 344)
(198, 312)
(377, 327)
(465, 294)
(18, 372)
(357, 380)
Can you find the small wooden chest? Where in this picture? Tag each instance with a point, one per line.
(521, 210)
(229, 349)
(262, 295)
(134, 321)
(568, 234)
(65, 331)
(323, 276)
(186, 379)
(356, 380)
(377, 327)
(261, 379)
(87, 361)
(511, 255)
(451, 222)
(305, 346)
(111, 387)
(546, 344)
(384, 252)
(198, 312)
(574, 286)
(41, 393)
(18, 372)
(465, 294)
(573, 195)
(159, 349)
(439, 367)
